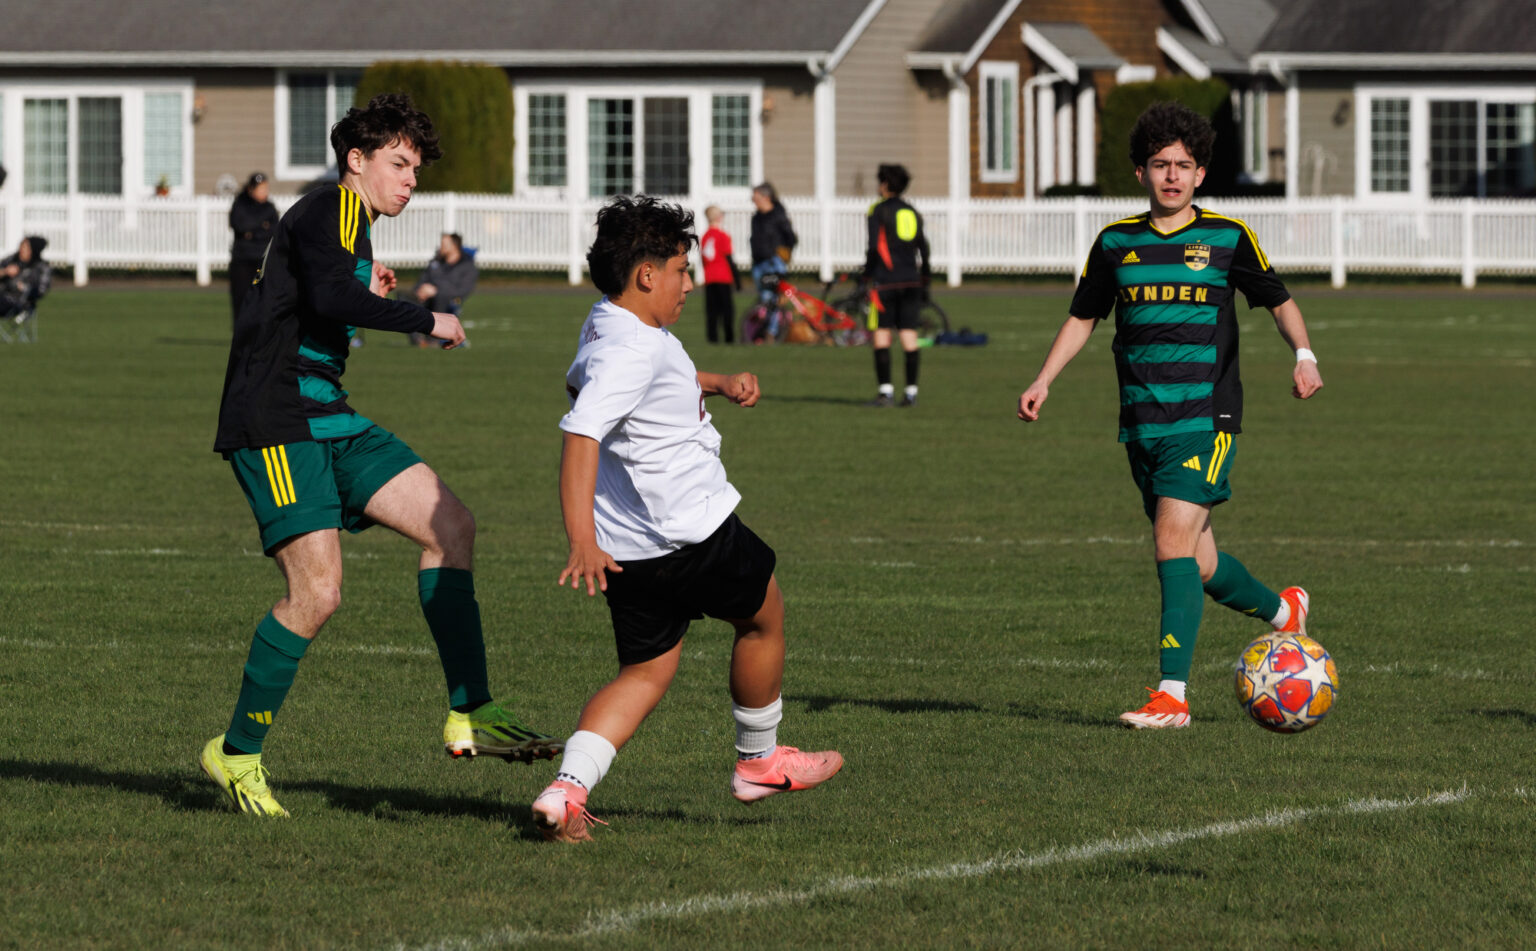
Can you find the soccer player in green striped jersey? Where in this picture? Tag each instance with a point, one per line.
(310, 465)
(1171, 276)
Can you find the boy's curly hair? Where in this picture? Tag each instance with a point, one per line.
(387, 119)
(1165, 123)
(631, 231)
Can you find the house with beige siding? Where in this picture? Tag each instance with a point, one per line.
(1405, 102)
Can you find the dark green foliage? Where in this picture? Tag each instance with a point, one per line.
(471, 108)
(1125, 104)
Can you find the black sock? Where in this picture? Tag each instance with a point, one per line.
(912, 359)
(883, 366)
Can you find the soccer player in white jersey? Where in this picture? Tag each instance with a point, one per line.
(651, 522)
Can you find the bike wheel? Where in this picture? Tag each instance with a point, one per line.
(931, 319)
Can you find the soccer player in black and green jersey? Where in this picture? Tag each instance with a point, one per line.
(1171, 275)
(309, 465)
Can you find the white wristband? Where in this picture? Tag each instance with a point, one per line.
(1304, 354)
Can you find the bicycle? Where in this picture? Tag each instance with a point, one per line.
(775, 322)
(932, 319)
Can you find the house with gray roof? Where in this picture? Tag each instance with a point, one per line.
(1406, 101)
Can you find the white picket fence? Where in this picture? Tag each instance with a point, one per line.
(1335, 236)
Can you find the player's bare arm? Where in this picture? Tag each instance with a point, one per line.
(578, 485)
(1305, 378)
(1069, 342)
(739, 388)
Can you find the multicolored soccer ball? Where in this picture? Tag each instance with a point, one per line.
(1287, 682)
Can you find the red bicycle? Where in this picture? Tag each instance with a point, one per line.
(823, 322)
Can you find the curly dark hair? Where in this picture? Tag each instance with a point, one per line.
(388, 118)
(894, 177)
(1165, 123)
(631, 231)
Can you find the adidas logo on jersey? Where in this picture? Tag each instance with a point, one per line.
(1193, 463)
(1130, 258)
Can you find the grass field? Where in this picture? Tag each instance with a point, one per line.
(971, 603)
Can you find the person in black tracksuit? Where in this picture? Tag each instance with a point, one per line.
(897, 270)
(253, 219)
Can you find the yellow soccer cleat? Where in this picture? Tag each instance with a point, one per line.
(492, 730)
(243, 779)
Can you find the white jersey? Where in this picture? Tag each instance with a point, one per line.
(660, 483)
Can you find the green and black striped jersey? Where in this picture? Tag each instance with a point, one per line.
(290, 343)
(1175, 318)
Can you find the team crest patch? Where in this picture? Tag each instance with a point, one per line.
(1197, 256)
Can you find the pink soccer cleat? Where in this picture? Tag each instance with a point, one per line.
(560, 813)
(786, 769)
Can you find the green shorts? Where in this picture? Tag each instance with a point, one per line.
(312, 486)
(1191, 467)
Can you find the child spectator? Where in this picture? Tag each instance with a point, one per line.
(721, 280)
(651, 520)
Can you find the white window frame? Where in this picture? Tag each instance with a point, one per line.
(1255, 118)
(282, 168)
(578, 93)
(131, 91)
(1419, 98)
(988, 70)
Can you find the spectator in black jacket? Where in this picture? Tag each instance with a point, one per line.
(252, 218)
(24, 277)
(448, 279)
(773, 239)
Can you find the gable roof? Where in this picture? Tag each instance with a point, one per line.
(1238, 25)
(500, 32)
(1068, 47)
(959, 33)
(1452, 28)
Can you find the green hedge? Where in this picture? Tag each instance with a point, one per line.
(1125, 104)
(471, 108)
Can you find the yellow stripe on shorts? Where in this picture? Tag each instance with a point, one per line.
(1219, 451)
(272, 479)
(282, 455)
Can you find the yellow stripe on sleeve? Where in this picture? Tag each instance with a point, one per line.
(277, 492)
(1263, 260)
(282, 452)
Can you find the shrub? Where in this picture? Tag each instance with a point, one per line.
(1125, 104)
(471, 109)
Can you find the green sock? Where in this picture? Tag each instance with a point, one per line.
(453, 614)
(269, 670)
(1233, 586)
(1183, 602)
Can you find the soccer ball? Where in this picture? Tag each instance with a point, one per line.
(1287, 682)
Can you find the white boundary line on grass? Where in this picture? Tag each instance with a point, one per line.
(626, 919)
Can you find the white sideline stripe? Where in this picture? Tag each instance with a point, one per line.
(1278, 540)
(623, 920)
(32, 643)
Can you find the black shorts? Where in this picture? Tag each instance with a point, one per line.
(652, 601)
(899, 308)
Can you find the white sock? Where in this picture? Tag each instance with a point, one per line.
(757, 731)
(886, 389)
(586, 760)
(1173, 688)
(1283, 616)
(911, 392)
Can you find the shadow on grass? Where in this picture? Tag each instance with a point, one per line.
(1032, 711)
(816, 704)
(833, 400)
(191, 791)
(1523, 716)
(192, 342)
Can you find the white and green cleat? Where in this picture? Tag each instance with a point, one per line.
(242, 778)
(492, 730)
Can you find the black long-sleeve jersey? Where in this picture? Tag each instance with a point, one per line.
(896, 242)
(291, 339)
